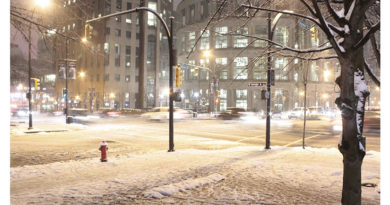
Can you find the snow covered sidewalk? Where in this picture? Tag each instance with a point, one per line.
(241, 175)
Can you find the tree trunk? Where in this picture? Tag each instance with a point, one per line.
(351, 104)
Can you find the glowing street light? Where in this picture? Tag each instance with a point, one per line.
(84, 40)
(326, 75)
(325, 96)
(20, 87)
(82, 74)
(302, 93)
(196, 94)
(42, 3)
(112, 95)
(207, 53)
(377, 88)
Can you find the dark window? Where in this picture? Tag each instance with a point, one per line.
(128, 34)
(117, 32)
(117, 77)
(107, 31)
(107, 7)
(106, 77)
(97, 77)
(128, 6)
(137, 36)
(118, 5)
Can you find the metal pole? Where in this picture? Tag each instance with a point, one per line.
(66, 82)
(268, 122)
(304, 117)
(170, 39)
(141, 70)
(30, 126)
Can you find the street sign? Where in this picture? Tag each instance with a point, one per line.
(255, 84)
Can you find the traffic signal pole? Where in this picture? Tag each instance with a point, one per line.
(268, 122)
(30, 125)
(171, 59)
(66, 82)
(170, 40)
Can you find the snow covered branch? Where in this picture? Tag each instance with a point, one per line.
(282, 47)
(338, 17)
(371, 74)
(309, 58)
(309, 8)
(283, 12)
(366, 37)
(326, 29)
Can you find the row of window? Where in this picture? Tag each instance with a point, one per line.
(117, 77)
(258, 67)
(239, 40)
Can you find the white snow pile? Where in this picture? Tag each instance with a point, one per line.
(167, 190)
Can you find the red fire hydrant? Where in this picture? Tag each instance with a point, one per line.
(103, 150)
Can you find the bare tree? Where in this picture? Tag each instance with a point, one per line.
(342, 22)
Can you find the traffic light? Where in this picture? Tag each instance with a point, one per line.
(37, 84)
(64, 92)
(314, 34)
(88, 31)
(196, 70)
(178, 76)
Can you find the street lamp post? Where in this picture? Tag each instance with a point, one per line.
(30, 125)
(41, 3)
(271, 29)
(171, 59)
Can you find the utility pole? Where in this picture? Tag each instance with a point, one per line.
(67, 120)
(171, 64)
(141, 70)
(30, 125)
(268, 121)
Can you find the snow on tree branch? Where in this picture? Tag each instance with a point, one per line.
(284, 12)
(282, 47)
(337, 16)
(366, 37)
(326, 29)
(371, 74)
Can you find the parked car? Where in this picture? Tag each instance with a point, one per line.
(298, 113)
(231, 113)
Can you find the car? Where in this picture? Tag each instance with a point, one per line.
(110, 113)
(21, 112)
(371, 122)
(231, 113)
(162, 113)
(279, 115)
(298, 113)
(316, 113)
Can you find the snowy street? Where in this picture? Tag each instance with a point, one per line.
(215, 162)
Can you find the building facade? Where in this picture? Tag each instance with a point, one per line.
(110, 61)
(216, 73)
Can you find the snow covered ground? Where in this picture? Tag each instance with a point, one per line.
(224, 173)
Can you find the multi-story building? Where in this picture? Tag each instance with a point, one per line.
(228, 60)
(110, 61)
